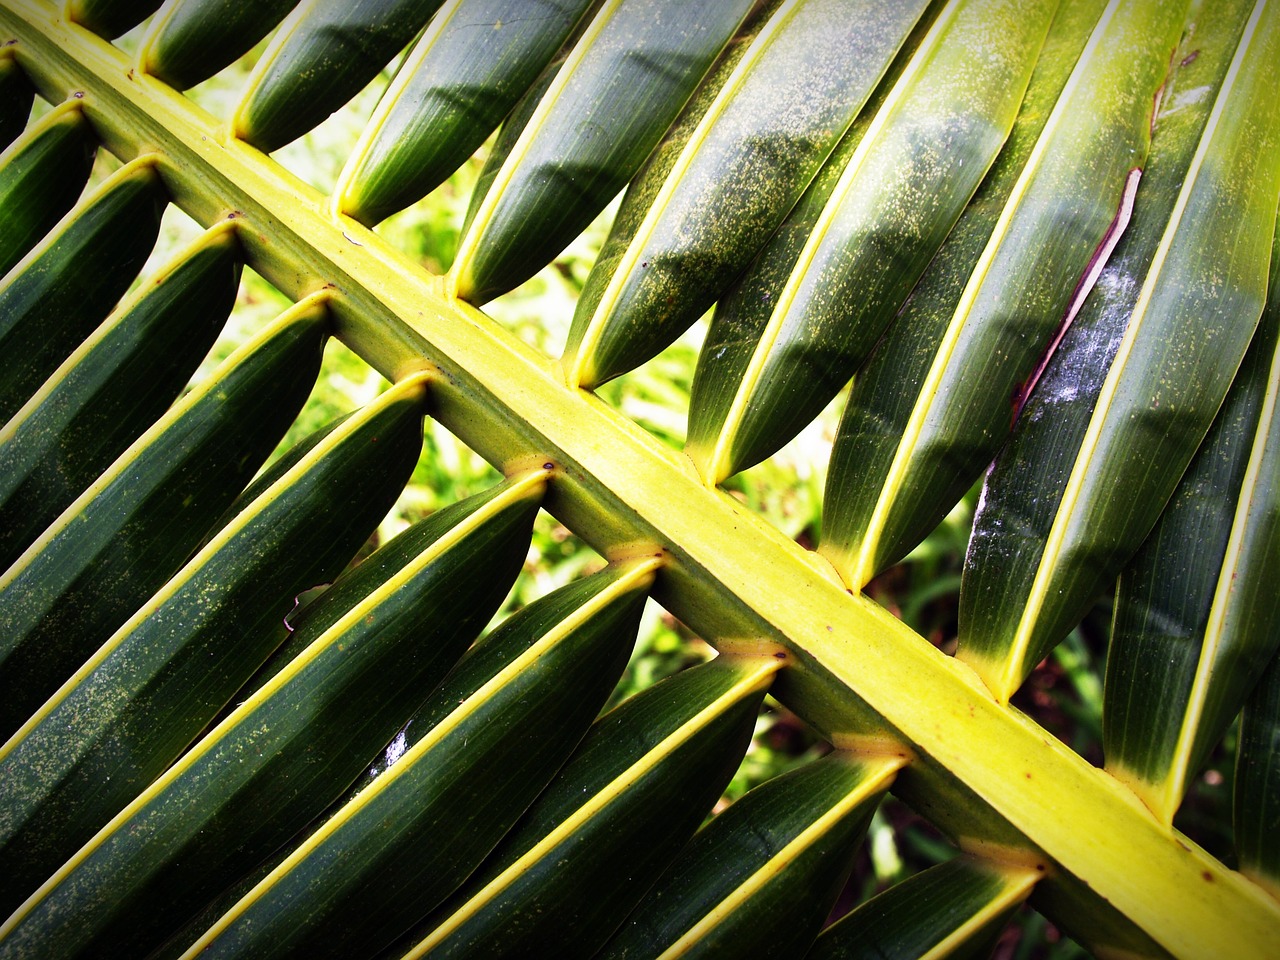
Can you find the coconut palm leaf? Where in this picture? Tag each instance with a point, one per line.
(235, 729)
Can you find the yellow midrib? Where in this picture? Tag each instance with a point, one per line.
(372, 131)
(284, 33)
(515, 160)
(196, 563)
(1224, 594)
(244, 713)
(214, 235)
(1017, 883)
(619, 485)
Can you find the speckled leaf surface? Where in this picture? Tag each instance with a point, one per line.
(694, 218)
(775, 355)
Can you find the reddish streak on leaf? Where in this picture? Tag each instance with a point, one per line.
(1099, 260)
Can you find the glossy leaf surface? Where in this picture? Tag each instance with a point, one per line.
(149, 690)
(129, 531)
(608, 105)
(1197, 615)
(465, 768)
(633, 792)
(792, 331)
(855, 538)
(954, 911)
(373, 645)
(981, 771)
(62, 289)
(114, 386)
(191, 40)
(1053, 232)
(763, 876)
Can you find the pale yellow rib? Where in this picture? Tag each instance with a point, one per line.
(394, 314)
(635, 249)
(154, 29)
(717, 466)
(208, 238)
(1010, 678)
(143, 162)
(879, 780)
(283, 35)
(598, 802)
(125, 461)
(864, 567)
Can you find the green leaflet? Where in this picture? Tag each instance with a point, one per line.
(63, 288)
(41, 175)
(138, 522)
(1023, 488)
(660, 168)
(191, 40)
(322, 56)
(885, 390)
(762, 877)
(109, 18)
(1197, 615)
(774, 358)
(471, 761)
(955, 910)
(470, 66)
(965, 371)
(16, 96)
(1206, 286)
(114, 386)
(372, 647)
(622, 85)
(693, 220)
(149, 690)
(1257, 783)
(770, 269)
(632, 793)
